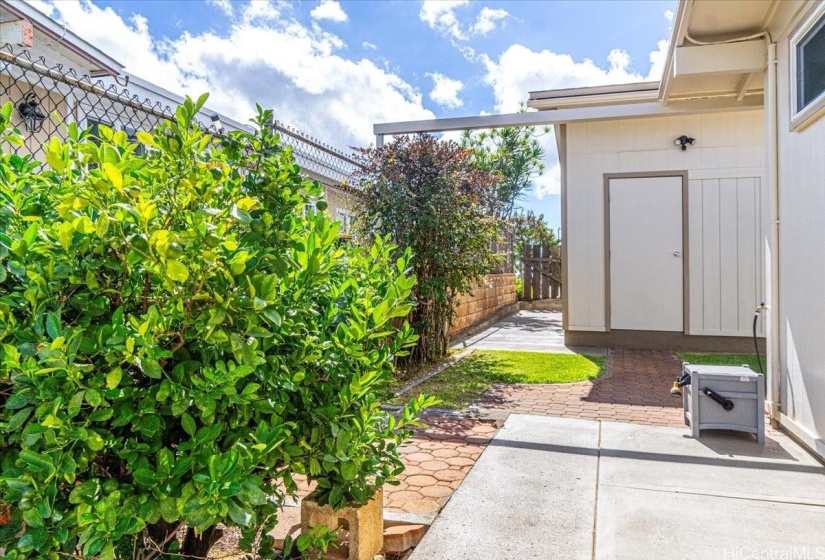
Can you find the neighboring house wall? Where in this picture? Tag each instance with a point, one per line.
(340, 205)
(726, 210)
(801, 262)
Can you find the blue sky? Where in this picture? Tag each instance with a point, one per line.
(332, 69)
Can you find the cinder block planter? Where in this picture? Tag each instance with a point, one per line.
(361, 527)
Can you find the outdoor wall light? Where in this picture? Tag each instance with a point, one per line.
(216, 120)
(683, 141)
(29, 110)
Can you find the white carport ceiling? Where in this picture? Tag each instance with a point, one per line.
(714, 20)
(718, 21)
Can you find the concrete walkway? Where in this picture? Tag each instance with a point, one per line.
(572, 488)
(529, 331)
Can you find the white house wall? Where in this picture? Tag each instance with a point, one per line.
(801, 265)
(725, 211)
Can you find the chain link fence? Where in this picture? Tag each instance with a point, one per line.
(47, 96)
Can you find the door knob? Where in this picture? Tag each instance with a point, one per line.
(677, 254)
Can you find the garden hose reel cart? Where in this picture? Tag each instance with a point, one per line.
(723, 398)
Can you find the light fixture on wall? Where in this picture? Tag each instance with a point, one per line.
(216, 122)
(683, 141)
(29, 110)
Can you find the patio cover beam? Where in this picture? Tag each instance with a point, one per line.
(579, 114)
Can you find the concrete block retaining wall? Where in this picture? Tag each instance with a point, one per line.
(487, 298)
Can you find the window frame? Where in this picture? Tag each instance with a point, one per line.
(803, 116)
(94, 121)
(344, 217)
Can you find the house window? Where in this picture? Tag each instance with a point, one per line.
(132, 134)
(94, 125)
(345, 218)
(808, 68)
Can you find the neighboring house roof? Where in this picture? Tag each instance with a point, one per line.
(52, 34)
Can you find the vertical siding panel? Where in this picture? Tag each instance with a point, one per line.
(643, 134)
(711, 254)
(695, 254)
(760, 227)
(728, 256)
(595, 195)
(576, 241)
(747, 244)
(726, 123)
(746, 128)
(710, 134)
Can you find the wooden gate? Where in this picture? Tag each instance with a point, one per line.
(541, 272)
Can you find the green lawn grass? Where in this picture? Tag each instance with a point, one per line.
(721, 359)
(459, 385)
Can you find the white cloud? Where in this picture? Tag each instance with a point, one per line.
(657, 60)
(261, 11)
(315, 88)
(441, 16)
(369, 46)
(488, 20)
(224, 6)
(329, 9)
(669, 15)
(445, 91)
(520, 70)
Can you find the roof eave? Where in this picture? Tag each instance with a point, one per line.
(68, 39)
(596, 98)
(680, 22)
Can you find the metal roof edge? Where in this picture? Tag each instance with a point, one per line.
(568, 93)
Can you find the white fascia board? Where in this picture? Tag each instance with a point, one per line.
(744, 57)
(591, 100)
(578, 114)
(680, 26)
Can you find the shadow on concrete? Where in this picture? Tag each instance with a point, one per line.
(662, 457)
(736, 444)
(530, 323)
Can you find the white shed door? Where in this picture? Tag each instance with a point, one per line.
(646, 280)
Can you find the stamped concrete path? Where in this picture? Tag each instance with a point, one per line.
(549, 488)
(528, 331)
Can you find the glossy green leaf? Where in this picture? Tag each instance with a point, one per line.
(177, 271)
(114, 175)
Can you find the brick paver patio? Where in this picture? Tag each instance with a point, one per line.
(636, 389)
(437, 460)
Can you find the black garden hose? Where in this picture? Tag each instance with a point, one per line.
(725, 403)
(755, 340)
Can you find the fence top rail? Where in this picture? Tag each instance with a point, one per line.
(323, 162)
